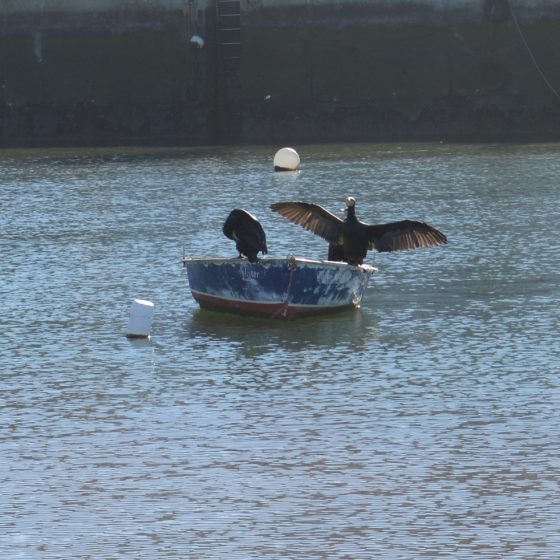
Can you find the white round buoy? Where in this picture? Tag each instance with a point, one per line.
(286, 159)
(140, 320)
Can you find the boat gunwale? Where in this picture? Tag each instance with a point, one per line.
(275, 260)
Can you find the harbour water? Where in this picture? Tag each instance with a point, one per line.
(424, 425)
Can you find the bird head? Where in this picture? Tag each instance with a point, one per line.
(350, 203)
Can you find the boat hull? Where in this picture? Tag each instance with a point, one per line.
(276, 288)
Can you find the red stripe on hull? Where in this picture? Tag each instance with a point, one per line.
(271, 310)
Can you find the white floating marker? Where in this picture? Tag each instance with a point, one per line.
(286, 159)
(140, 319)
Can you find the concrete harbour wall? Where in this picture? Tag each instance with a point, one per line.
(358, 70)
(104, 71)
(215, 71)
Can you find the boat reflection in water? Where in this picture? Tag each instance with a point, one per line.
(277, 288)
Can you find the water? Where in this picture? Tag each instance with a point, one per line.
(424, 425)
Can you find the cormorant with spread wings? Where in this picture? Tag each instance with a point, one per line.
(350, 239)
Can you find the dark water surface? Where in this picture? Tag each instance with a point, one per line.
(424, 425)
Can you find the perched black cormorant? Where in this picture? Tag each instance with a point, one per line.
(247, 232)
(350, 239)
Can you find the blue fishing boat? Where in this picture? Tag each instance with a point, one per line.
(277, 288)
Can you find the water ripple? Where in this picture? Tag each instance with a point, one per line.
(424, 425)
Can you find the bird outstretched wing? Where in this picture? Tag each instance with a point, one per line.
(313, 218)
(403, 235)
